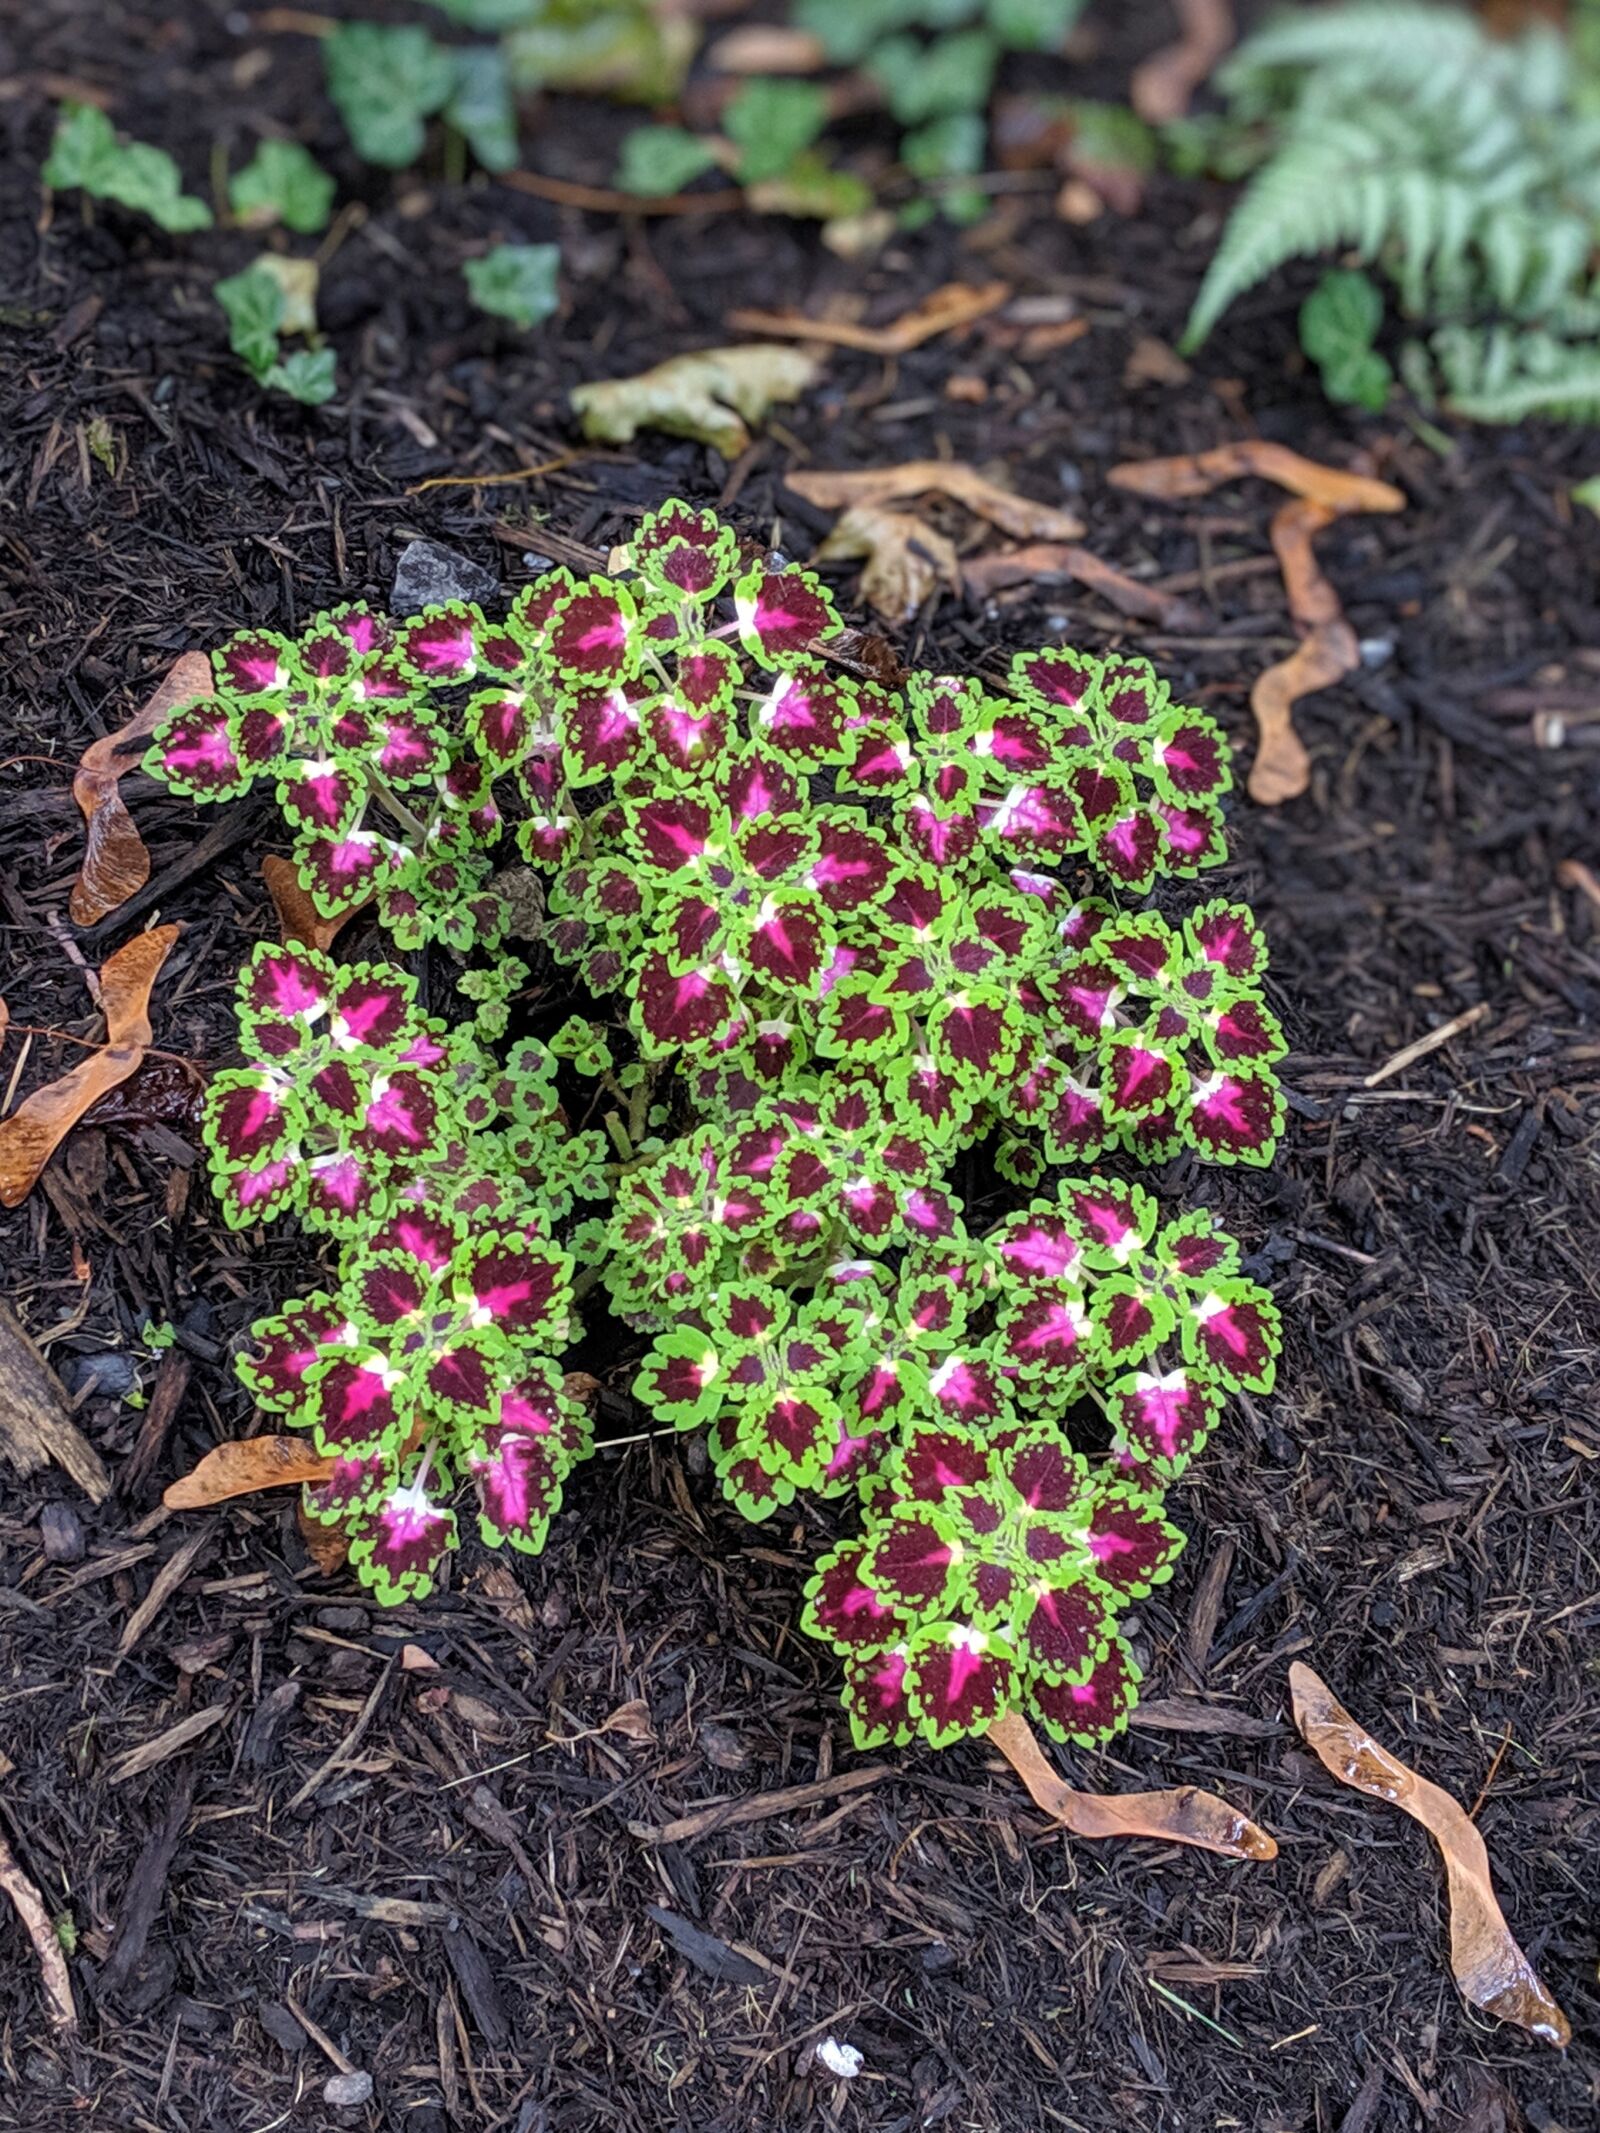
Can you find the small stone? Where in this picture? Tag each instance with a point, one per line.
(346, 2090)
(61, 1534)
(112, 1374)
(343, 1619)
(428, 573)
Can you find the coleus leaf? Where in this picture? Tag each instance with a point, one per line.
(782, 612)
(1234, 1330)
(397, 1545)
(875, 1698)
(1095, 1709)
(1133, 1546)
(957, 1678)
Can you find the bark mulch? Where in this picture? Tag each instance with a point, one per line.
(493, 1886)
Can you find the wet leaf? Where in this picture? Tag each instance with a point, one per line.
(1163, 84)
(115, 862)
(243, 1467)
(713, 396)
(1182, 1816)
(949, 307)
(906, 560)
(1019, 516)
(33, 1132)
(1490, 1968)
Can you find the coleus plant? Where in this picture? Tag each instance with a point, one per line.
(846, 986)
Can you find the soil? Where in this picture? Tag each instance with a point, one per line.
(425, 1846)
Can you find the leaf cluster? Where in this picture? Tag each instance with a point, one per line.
(1463, 167)
(871, 968)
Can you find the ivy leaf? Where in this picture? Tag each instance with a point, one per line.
(929, 81)
(1033, 25)
(1339, 321)
(282, 182)
(481, 107)
(306, 376)
(387, 81)
(657, 160)
(516, 281)
(253, 301)
(86, 152)
(712, 397)
(770, 121)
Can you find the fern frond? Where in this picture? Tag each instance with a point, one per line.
(1501, 374)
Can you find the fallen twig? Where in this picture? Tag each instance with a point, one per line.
(46, 1946)
(949, 307)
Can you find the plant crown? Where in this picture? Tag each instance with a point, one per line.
(852, 1035)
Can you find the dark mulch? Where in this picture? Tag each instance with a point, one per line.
(451, 1872)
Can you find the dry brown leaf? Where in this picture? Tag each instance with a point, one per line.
(327, 1546)
(1024, 520)
(1282, 768)
(115, 862)
(1198, 473)
(906, 560)
(1058, 563)
(1183, 1816)
(298, 917)
(33, 1132)
(1163, 84)
(1490, 1968)
(242, 1467)
(953, 305)
(46, 1941)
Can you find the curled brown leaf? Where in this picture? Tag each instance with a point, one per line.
(33, 1132)
(1198, 473)
(115, 862)
(1063, 562)
(1163, 84)
(1490, 1968)
(954, 305)
(906, 560)
(1282, 768)
(1183, 1816)
(837, 490)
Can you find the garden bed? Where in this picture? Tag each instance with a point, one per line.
(468, 1903)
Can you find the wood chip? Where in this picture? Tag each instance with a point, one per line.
(166, 1745)
(164, 1584)
(760, 1807)
(53, 1974)
(36, 1425)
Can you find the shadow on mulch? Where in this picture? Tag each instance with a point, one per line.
(450, 1873)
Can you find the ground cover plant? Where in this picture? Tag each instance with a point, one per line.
(847, 1033)
(1463, 167)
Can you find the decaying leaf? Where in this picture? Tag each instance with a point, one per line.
(1490, 1968)
(767, 48)
(1063, 563)
(1183, 1816)
(713, 396)
(949, 307)
(298, 917)
(1163, 84)
(906, 560)
(242, 1467)
(1282, 768)
(1198, 473)
(1024, 520)
(115, 862)
(33, 1132)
